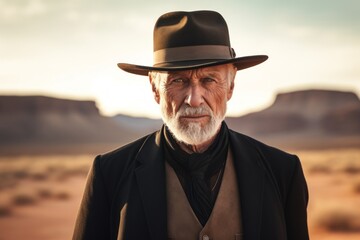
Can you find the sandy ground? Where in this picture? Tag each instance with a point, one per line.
(327, 193)
(49, 219)
(53, 219)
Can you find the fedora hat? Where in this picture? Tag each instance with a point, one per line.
(188, 40)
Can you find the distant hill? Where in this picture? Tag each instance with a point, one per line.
(306, 119)
(43, 124)
(140, 125)
(302, 119)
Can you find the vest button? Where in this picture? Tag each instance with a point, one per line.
(205, 237)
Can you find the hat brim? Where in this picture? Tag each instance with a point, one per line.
(240, 63)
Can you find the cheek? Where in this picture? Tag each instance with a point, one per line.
(171, 101)
(217, 99)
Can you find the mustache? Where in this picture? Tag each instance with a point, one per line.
(189, 111)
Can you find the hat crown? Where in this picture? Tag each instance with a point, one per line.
(182, 29)
(190, 40)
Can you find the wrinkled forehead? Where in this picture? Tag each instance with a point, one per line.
(220, 71)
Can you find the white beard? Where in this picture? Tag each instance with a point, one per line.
(192, 133)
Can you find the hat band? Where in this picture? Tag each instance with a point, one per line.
(199, 52)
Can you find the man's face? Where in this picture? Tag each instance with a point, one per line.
(193, 102)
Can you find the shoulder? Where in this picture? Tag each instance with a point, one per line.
(260, 147)
(119, 163)
(124, 152)
(272, 154)
(280, 166)
(124, 155)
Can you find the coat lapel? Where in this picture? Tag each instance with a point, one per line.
(250, 175)
(150, 176)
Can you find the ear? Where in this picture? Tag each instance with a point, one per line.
(231, 90)
(154, 90)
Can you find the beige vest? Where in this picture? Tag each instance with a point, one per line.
(225, 219)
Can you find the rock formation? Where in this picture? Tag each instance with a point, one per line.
(301, 119)
(312, 118)
(44, 124)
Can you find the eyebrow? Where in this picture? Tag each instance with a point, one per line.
(211, 74)
(174, 74)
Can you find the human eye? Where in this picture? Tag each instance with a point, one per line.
(208, 80)
(177, 80)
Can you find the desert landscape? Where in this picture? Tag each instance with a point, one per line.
(47, 146)
(39, 196)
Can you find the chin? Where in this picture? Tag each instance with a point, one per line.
(193, 133)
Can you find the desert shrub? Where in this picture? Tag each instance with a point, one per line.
(44, 193)
(80, 171)
(331, 161)
(352, 169)
(357, 187)
(62, 195)
(65, 174)
(320, 169)
(39, 176)
(23, 199)
(54, 168)
(20, 174)
(8, 183)
(5, 211)
(61, 177)
(340, 221)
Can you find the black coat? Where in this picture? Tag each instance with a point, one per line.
(126, 190)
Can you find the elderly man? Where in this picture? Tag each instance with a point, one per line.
(194, 178)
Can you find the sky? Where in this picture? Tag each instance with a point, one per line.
(70, 48)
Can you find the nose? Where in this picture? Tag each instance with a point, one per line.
(194, 96)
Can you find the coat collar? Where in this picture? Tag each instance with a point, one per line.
(150, 175)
